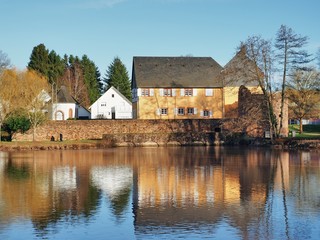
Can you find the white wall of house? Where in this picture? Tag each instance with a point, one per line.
(111, 105)
(64, 111)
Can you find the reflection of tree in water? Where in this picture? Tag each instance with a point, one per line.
(67, 207)
(17, 172)
(120, 202)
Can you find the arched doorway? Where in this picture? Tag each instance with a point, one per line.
(59, 115)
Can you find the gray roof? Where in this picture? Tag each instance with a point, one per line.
(63, 96)
(157, 72)
(240, 70)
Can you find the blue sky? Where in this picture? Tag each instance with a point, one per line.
(103, 29)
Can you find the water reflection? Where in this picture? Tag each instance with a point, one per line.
(198, 192)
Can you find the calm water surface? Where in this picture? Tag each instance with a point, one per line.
(160, 193)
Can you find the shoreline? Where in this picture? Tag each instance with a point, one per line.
(101, 144)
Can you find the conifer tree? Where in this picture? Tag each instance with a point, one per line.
(56, 67)
(90, 78)
(118, 77)
(39, 60)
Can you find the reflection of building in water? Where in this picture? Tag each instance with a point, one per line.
(64, 178)
(44, 186)
(111, 180)
(201, 187)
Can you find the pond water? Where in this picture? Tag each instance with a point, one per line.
(160, 193)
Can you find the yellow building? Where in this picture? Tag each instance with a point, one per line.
(239, 71)
(176, 88)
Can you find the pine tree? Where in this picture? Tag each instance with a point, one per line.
(56, 67)
(100, 83)
(90, 78)
(39, 60)
(118, 77)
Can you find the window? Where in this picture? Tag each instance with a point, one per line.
(188, 92)
(164, 111)
(180, 111)
(145, 92)
(206, 113)
(190, 111)
(112, 95)
(103, 104)
(167, 92)
(209, 92)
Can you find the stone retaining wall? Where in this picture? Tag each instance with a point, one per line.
(95, 129)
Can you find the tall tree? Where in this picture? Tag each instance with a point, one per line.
(303, 94)
(4, 61)
(56, 67)
(8, 90)
(291, 55)
(100, 83)
(39, 60)
(73, 79)
(259, 51)
(33, 91)
(118, 77)
(91, 78)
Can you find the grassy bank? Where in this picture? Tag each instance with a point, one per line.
(309, 131)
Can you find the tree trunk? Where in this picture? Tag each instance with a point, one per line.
(300, 126)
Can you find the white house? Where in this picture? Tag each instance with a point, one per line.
(111, 105)
(67, 107)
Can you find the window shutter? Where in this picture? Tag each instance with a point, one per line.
(210, 113)
(158, 112)
(173, 92)
(182, 92)
(194, 92)
(195, 111)
(175, 111)
(201, 114)
(151, 92)
(161, 92)
(139, 92)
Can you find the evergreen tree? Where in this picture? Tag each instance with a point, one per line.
(56, 67)
(100, 83)
(90, 78)
(118, 77)
(39, 60)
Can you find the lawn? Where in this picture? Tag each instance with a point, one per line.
(309, 131)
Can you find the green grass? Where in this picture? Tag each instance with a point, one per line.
(309, 131)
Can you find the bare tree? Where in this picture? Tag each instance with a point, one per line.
(303, 94)
(291, 55)
(8, 89)
(253, 67)
(4, 61)
(22, 90)
(34, 90)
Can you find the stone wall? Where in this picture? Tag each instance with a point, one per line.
(95, 129)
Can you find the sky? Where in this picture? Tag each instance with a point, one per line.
(105, 29)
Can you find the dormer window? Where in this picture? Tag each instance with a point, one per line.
(167, 92)
(188, 92)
